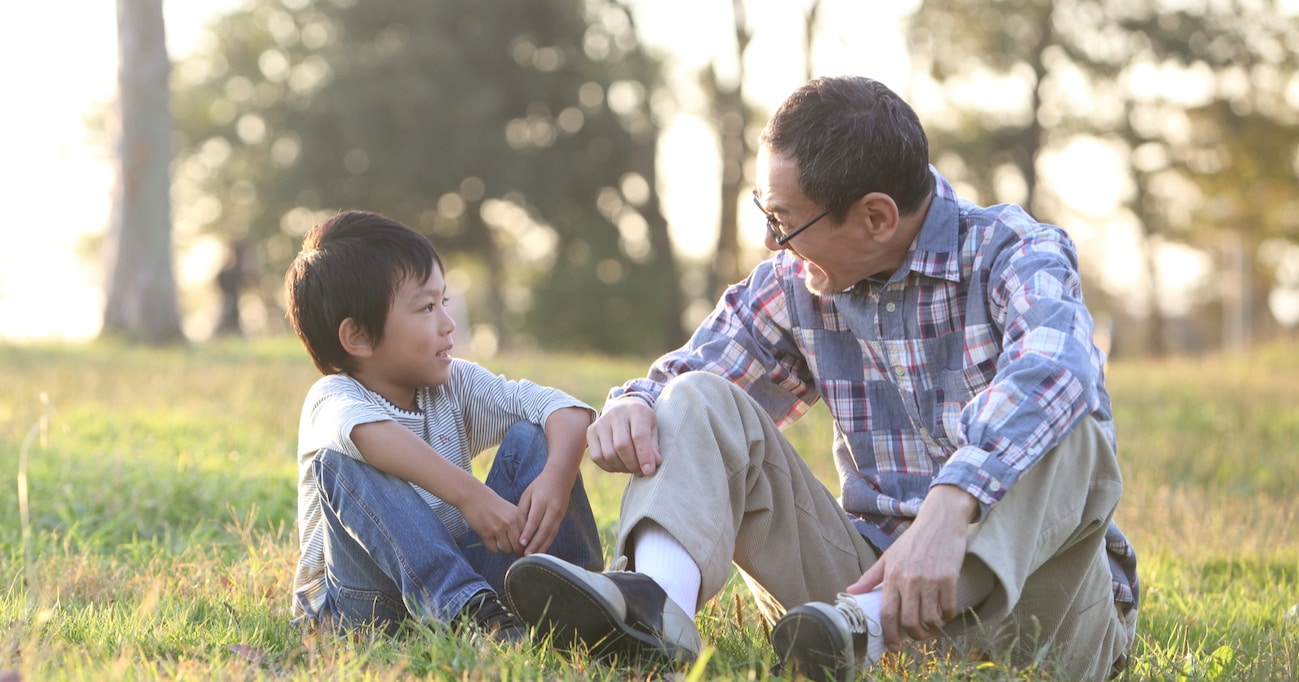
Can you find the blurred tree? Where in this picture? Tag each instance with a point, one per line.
(733, 116)
(519, 135)
(1097, 68)
(141, 303)
(1236, 147)
(737, 122)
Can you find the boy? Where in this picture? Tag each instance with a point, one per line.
(392, 522)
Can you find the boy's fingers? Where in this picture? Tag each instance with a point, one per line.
(545, 534)
(530, 526)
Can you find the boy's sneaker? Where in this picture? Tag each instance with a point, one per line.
(486, 613)
(822, 641)
(615, 613)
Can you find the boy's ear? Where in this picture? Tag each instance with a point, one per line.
(354, 339)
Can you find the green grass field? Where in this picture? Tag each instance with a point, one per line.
(147, 505)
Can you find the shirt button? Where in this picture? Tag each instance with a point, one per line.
(899, 372)
(994, 486)
(924, 433)
(891, 307)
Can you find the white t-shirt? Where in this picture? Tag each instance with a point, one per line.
(460, 419)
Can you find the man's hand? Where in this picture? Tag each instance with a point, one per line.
(920, 569)
(625, 439)
(497, 522)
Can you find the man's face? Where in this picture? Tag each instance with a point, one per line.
(787, 209)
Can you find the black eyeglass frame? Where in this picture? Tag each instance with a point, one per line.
(782, 238)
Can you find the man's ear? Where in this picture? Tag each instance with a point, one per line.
(882, 214)
(354, 339)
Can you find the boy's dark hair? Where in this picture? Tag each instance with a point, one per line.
(851, 136)
(351, 266)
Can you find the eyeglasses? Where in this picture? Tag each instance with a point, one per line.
(773, 223)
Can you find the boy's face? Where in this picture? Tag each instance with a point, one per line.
(416, 346)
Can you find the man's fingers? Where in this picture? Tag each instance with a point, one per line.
(890, 607)
(872, 578)
(635, 439)
(599, 444)
(625, 439)
(647, 450)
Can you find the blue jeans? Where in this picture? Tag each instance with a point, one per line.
(388, 556)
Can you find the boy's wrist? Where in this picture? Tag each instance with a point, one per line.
(462, 495)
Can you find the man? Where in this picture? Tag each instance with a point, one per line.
(972, 428)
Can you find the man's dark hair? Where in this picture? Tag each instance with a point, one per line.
(851, 136)
(352, 266)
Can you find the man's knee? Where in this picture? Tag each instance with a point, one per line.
(697, 382)
(695, 390)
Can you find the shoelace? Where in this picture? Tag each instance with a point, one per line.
(491, 614)
(857, 619)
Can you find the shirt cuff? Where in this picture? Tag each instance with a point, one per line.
(645, 389)
(978, 473)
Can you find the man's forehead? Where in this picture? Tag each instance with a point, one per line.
(775, 173)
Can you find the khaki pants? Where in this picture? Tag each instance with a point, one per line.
(732, 489)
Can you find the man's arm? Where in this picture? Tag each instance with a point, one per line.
(1046, 381)
(920, 569)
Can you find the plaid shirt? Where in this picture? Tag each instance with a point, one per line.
(963, 368)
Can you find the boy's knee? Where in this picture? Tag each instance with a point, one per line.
(327, 461)
(522, 438)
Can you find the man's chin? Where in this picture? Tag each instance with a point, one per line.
(816, 281)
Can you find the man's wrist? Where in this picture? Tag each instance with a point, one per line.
(953, 500)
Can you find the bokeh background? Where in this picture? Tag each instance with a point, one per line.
(585, 165)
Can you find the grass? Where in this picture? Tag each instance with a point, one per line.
(156, 537)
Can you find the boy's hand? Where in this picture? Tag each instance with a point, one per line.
(542, 506)
(496, 521)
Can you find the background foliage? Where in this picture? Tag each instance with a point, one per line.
(520, 136)
(1198, 100)
(523, 138)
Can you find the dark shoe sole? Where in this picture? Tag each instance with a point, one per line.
(807, 643)
(546, 594)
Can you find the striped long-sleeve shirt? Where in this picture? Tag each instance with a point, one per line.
(468, 414)
(963, 367)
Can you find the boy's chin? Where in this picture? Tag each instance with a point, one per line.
(438, 378)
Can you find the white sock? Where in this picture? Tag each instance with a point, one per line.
(658, 555)
(870, 605)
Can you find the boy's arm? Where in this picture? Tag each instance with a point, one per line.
(394, 449)
(545, 502)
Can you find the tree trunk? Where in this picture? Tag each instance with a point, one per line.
(665, 261)
(492, 310)
(141, 297)
(732, 116)
(1034, 135)
(732, 119)
(809, 38)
